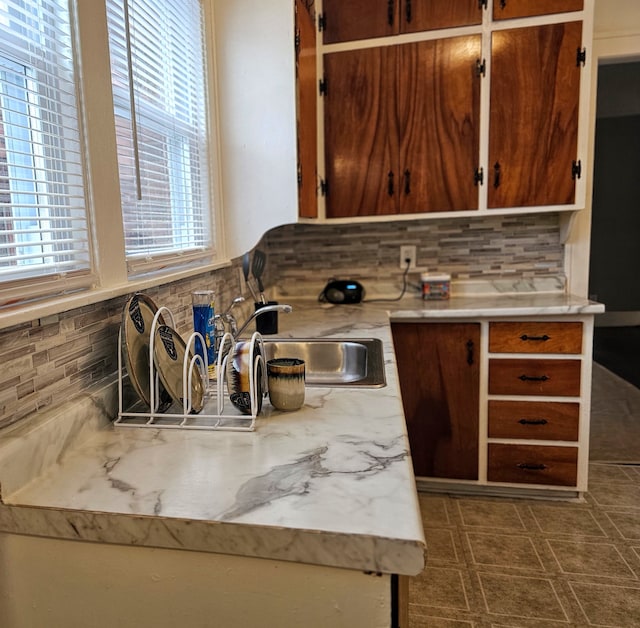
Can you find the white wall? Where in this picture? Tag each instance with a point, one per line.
(257, 115)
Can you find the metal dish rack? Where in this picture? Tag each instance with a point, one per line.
(216, 394)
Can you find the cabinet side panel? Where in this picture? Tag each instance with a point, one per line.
(438, 364)
(533, 129)
(360, 132)
(306, 110)
(439, 121)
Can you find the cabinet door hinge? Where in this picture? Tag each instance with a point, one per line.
(581, 57)
(322, 21)
(299, 175)
(297, 43)
(481, 67)
(322, 86)
(482, 4)
(478, 177)
(576, 169)
(324, 187)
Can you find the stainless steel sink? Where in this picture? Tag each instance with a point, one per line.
(334, 361)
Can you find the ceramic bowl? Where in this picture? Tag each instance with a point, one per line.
(238, 373)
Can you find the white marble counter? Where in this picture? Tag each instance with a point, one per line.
(331, 484)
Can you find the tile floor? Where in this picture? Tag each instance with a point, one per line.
(500, 562)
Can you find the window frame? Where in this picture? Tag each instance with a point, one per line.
(112, 276)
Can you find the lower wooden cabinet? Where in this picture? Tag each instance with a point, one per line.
(439, 369)
(532, 464)
(504, 415)
(534, 420)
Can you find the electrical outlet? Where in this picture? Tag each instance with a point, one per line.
(408, 253)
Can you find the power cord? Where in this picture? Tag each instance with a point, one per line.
(407, 261)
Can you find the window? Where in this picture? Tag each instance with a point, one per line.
(158, 76)
(43, 224)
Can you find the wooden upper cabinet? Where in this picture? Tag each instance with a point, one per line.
(361, 133)
(348, 20)
(533, 126)
(402, 128)
(507, 9)
(439, 122)
(428, 15)
(306, 108)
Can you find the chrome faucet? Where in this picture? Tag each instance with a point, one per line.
(263, 310)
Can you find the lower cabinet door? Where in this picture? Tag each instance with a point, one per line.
(533, 464)
(438, 365)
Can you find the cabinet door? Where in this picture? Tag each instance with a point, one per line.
(425, 15)
(359, 19)
(306, 109)
(439, 120)
(364, 19)
(533, 128)
(361, 136)
(506, 9)
(438, 365)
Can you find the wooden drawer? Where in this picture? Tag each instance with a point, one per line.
(534, 377)
(543, 420)
(535, 337)
(533, 464)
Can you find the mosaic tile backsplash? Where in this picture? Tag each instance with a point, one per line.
(467, 248)
(47, 361)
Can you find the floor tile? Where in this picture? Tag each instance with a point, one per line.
(599, 472)
(612, 494)
(496, 515)
(439, 622)
(499, 550)
(606, 605)
(439, 587)
(441, 546)
(590, 559)
(561, 519)
(626, 523)
(520, 596)
(434, 510)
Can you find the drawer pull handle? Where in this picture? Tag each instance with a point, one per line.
(527, 378)
(528, 466)
(533, 421)
(538, 338)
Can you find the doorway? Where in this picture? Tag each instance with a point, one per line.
(614, 271)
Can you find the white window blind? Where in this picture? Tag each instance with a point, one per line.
(43, 226)
(158, 76)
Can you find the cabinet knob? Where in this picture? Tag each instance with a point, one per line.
(530, 378)
(390, 186)
(535, 338)
(407, 182)
(470, 352)
(496, 174)
(529, 466)
(533, 421)
(391, 12)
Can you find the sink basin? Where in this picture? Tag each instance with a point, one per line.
(334, 361)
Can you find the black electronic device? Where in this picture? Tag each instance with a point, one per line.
(342, 291)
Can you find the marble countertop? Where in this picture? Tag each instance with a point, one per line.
(330, 484)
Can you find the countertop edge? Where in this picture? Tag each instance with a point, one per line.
(348, 551)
